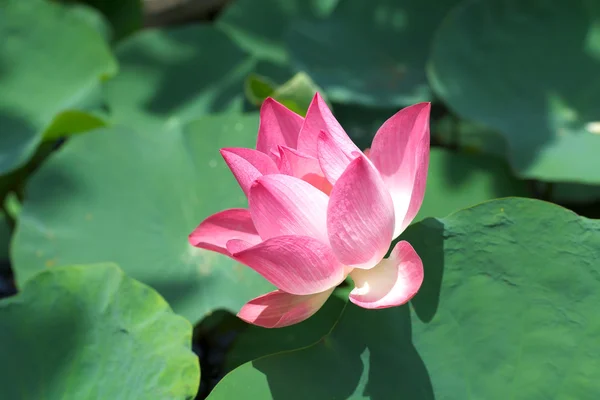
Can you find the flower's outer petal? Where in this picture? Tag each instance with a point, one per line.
(284, 205)
(391, 283)
(319, 118)
(278, 309)
(400, 152)
(360, 216)
(302, 166)
(278, 126)
(247, 165)
(215, 231)
(294, 264)
(418, 193)
(335, 155)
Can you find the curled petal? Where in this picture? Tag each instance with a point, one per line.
(284, 205)
(278, 309)
(391, 283)
(400, 152)
(335, 155)
(247, 165)
(360, 216)
(215, 231)
(278, 126)
(295, 264)
(319, 118)
(302, 166)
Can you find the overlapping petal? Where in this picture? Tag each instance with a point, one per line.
(302, 166)
(393, 282)
(400, 152)
(319, 118)
(285, 205)
(279, 309)
(295, 264)
(335, 155)
(215, 231)
(278, 127)
(247, 165)
(360, 216)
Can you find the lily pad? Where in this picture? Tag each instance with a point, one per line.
(491, 64)
(508, 309)
(90, 332)
(370, 53)
(259, 25)
(132, 198)
(51, 60)
(176, 74)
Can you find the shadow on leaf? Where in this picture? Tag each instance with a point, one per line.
(369, 353)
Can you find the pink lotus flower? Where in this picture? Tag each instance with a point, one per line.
(320, 210)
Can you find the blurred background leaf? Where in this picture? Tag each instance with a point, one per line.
(72, 122)
(172, 75)
(259, 25)
(456, 181)
(371, 53)
(527, 69)
(125, 16)
(42, 74)
(90, 332)
(89, 16)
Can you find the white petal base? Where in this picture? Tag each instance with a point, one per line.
(393, 282)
